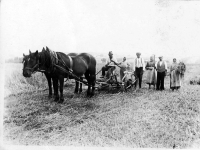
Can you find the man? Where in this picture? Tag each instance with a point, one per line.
(161, 67)
(124, 65)
(139, 68)
(110, 65)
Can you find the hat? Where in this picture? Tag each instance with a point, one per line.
(138, 53)
(160, 56)
(152, 57)
(110, 53)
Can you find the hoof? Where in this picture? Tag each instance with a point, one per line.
(88, 94)
(61, 101)
(56, 99)
(75, 92)
(92, 94)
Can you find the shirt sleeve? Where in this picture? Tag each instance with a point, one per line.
(134, 64)
(143, 64)
(107, 61)
(156, 64)
(165, 65)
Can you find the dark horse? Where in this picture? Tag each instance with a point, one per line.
(47, 74)
(59, 67)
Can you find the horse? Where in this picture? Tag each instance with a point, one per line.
(60, 66)
(47, 75)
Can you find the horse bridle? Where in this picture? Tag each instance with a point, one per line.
(33, 68)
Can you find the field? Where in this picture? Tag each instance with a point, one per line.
(138, 119)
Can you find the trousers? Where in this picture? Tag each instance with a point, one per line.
(160, 81)
(139, 74)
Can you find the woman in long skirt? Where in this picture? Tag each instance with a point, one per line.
(175, 79)
(151, 73)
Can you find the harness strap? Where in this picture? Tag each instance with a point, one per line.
(56, 56)
(70, 62)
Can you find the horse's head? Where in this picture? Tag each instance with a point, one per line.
(31, 63)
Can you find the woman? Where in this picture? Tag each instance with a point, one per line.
(175, 79)
(151, 72)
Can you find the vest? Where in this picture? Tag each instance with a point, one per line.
(140, 62)
(161, 68)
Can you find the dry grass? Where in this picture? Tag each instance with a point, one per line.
(15, 83)
(143, 118)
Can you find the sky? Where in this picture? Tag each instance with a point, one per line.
(162, 27)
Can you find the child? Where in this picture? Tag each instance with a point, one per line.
(124, 65)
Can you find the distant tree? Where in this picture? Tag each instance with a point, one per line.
(14, 60)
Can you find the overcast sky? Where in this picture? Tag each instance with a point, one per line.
(161, 27)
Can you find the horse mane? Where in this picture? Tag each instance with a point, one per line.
(52, 58)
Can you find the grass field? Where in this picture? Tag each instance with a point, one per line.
(139, 119)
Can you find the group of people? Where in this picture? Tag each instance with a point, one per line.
(156, 71)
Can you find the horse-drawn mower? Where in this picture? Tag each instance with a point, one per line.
(112, 83)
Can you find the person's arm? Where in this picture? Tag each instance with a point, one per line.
(143, 64)
(171, 69)
(147, 66)
(134, 65)
(165, 66)
(107, 62)
(115, 61)
(156, 64)
(128, 64)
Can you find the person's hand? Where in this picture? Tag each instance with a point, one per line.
(149, 68)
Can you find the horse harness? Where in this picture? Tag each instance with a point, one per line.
(32, 69)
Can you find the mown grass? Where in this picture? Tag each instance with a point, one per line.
(143, 118)
(15, 83)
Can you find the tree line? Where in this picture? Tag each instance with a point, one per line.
(14, 60)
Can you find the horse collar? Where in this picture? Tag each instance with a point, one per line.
(70, 62)
(40, 64)
(56, 56)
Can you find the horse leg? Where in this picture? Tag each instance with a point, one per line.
(93, 80)
(55, 84)
(49, 84)
(88, 80)
(54, 87)
(76, 87)
(80, 89)
(61, 79)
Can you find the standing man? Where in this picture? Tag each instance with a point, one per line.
(161, 67)
(110, 65)
(139, 68)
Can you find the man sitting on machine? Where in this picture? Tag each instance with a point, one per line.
(110, 66)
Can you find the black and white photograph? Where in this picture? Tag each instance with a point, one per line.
(100, 74)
